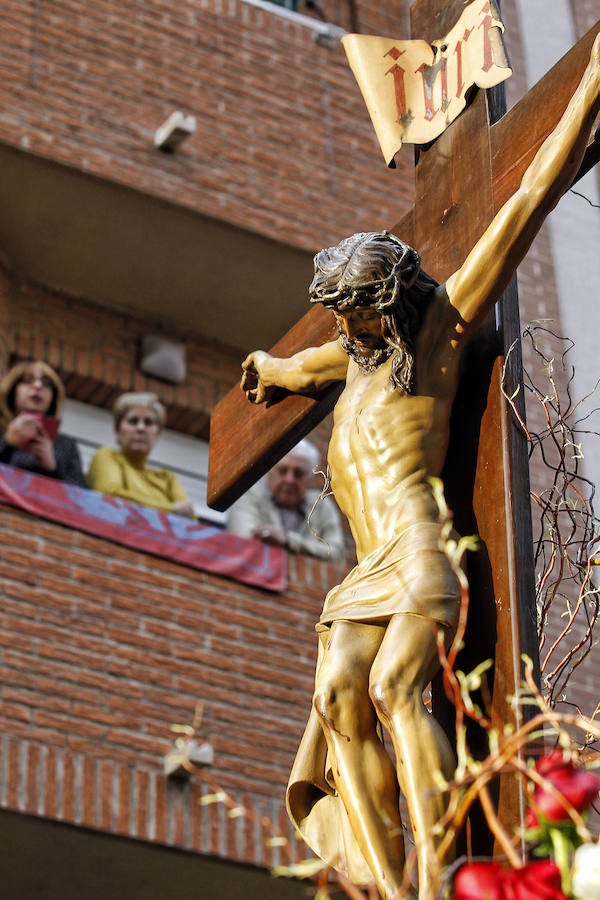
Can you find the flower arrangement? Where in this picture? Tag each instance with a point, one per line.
(562, 795)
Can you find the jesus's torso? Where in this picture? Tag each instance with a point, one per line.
(385, 446)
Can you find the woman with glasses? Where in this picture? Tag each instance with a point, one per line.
(138, 420)
(31, 400)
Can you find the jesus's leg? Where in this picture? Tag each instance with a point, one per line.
(364, 773)
(405, 664)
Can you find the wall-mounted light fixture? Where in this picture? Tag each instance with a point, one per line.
(175, 130)
(162, 358)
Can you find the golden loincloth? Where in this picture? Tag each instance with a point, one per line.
(409, 575)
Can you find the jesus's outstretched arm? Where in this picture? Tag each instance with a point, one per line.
(303, 372)
(488, 267)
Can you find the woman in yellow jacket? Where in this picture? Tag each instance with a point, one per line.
(138, 418)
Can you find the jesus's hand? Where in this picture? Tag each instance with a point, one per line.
(253, 383)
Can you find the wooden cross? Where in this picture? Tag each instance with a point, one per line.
(461, 181)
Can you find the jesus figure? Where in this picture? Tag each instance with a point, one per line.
(401, 338)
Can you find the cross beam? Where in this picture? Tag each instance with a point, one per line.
(262, 435)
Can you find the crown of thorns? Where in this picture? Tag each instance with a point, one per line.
(380, 294)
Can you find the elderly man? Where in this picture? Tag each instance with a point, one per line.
(283, 510)
(401, 338)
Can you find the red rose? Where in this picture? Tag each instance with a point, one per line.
(490, 881)
(479, 881)
(535, 881)
(579, 786)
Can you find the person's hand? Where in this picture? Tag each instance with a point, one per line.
(184, 508)
(270, 535)
(22, 430)
(27, 433)
(43, 448)
(253, 383)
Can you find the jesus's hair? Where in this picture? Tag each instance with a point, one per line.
(377, 270)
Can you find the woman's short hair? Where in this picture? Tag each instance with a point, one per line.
(8, 388)
(132, 399)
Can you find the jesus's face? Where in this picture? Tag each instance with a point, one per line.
(362, 336)
(361, 325)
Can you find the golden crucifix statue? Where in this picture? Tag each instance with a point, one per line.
(401, 338)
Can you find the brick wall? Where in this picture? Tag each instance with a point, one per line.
(96, 351)
(104, 648)
(282, 131)
(585, 14)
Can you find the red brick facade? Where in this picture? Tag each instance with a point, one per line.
(96, 350)
(105, 648)
(283, 140)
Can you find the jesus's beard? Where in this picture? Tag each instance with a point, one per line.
(367, 359)
(370, 359)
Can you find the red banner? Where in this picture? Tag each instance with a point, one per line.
(196, 544)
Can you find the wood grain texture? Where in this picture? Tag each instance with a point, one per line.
(454, 206)
(431, 20)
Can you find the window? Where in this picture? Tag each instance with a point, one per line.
(307, 14)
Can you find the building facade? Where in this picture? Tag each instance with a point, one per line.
(106, 238)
